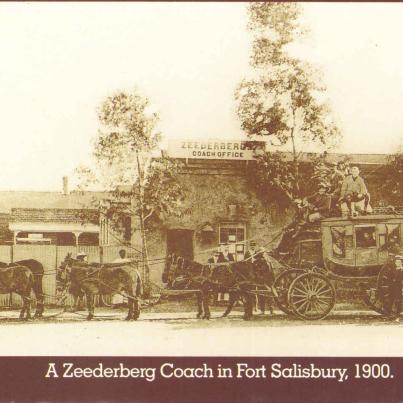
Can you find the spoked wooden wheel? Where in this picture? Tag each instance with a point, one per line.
(311, 296)
(282, 284)
(378, 298)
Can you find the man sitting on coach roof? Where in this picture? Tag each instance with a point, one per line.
(354, 194)
(319, 204)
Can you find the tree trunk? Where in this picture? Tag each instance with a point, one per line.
(295, 157)
(144, 251)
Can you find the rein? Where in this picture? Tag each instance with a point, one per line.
(97, 272)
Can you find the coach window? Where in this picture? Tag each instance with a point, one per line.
(232, 233)
(392, 236)
(365, 237)
(338, 241)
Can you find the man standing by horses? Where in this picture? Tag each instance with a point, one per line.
(228, 257)
(251, 254)
(216, 258)
(122, 257)
(117, 299)
(395, 279)
(82, 257)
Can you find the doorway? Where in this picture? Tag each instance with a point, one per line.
(180, 242)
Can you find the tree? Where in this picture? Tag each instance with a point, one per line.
(140, 184)
(393, 179)
(284, 100)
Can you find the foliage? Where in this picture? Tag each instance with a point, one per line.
(273, 176)
(393, 179)
(125, 164)
(284, 100)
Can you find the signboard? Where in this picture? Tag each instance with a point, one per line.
(215, 149)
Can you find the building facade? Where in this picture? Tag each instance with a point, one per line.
(222, 208)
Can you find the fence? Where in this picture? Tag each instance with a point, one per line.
(51, 257)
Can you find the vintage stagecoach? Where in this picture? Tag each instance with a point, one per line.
(337, 250)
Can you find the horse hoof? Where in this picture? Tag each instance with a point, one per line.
(207, 317)
(247, 317)
(198, 316)
(224, 315)
(90, 316)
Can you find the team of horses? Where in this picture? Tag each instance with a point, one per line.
(86, 279)
(243, 281)
(25, 277)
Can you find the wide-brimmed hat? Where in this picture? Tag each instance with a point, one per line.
(81, 254)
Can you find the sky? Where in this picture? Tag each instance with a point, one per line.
(60, 60)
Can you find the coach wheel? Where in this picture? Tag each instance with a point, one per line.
(282, 284)
(311, 296)
(377, 298)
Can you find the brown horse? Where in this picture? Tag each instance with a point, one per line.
(237, 279)
(18, 279)
(37, 271)
(102, 280)
(262, 279)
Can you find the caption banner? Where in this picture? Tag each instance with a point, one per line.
(198, 378)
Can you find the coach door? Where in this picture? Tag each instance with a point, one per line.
(366, 250)
(180, 242)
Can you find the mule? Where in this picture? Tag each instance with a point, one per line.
(102, 280)
(20, 280)
(37, 271)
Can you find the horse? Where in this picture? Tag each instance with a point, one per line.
(37, 271)
(18, 279)
(235, 279)
(73, 288)
(263, 279)
(101, 279)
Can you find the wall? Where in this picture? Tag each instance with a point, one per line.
(211, 186)
(208, 194)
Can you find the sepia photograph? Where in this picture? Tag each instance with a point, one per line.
(201, 179)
